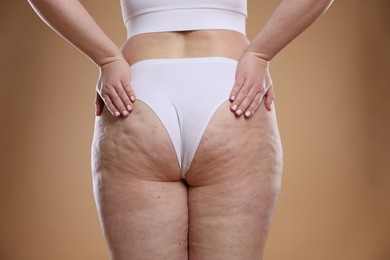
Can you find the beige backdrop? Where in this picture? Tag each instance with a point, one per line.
(332, 98)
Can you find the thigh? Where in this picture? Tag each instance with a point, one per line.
(234, 183)
(141, 200)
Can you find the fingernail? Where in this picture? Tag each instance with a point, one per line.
(234, 107)
(117, 113)
(132, 98)
(232, 98)
(128, 107)
(125, 113)
(238, 112)
(247, 113)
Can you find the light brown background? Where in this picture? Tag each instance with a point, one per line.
(333, 106)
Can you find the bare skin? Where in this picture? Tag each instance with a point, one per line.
(223, 210)
(178, 44)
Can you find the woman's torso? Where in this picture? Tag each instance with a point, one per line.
(171, 28)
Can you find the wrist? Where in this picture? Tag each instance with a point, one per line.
(110, 59)
(260, 57)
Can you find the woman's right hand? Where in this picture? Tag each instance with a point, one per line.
(114, 90)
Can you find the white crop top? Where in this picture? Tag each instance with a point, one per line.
(143, 16)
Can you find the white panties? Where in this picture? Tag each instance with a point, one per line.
(184, 93)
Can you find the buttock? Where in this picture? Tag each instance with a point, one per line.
(182, 124)
(184, 93)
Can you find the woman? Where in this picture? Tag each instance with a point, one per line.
(186, 161)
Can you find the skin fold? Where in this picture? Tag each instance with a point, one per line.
(223, 208)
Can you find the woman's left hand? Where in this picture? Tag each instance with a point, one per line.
(253, 83)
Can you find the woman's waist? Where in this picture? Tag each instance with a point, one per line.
(185, 44)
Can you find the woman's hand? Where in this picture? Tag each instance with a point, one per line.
(114, 89)
(253, 82)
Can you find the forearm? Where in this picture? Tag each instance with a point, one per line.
(289, 20)
(71, 20)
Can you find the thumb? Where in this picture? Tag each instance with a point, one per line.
(269, 98)
(99, 104)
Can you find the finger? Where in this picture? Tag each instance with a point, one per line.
(110, 105)
(117, 101)
(125, 100)
(236, 88)
(130, 92)
(254, 105)
(248, 99)
(269, 98)
(99, 104)
(240, 95)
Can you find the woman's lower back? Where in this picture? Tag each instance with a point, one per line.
(180, 44)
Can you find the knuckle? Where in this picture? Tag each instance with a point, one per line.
(115, 84)
(126, 82)
(244, 91)
(107, 89)
(238, 99)
(122, 92)
(108, 86)
(116, 90)
(115, 97)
